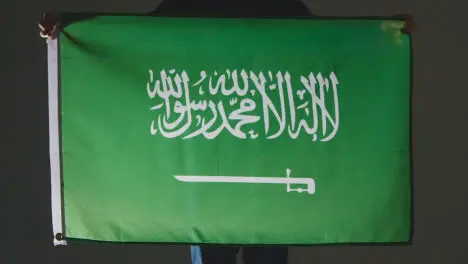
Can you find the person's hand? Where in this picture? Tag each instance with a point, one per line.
(48, 26)
(410, 25)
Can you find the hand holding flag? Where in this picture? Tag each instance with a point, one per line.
(48, 26)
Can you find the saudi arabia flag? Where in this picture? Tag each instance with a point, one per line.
(230, 131)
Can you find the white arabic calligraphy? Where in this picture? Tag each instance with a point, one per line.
(231, 105)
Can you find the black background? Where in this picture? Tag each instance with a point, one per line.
(440, 153)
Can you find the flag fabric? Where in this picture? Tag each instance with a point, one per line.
(230, 131)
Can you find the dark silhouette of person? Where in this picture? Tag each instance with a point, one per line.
(220, 254)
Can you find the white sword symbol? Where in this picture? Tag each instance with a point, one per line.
(246, 179)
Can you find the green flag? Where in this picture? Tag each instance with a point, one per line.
(238, 131)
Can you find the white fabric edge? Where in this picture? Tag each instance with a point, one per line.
(54, 146)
